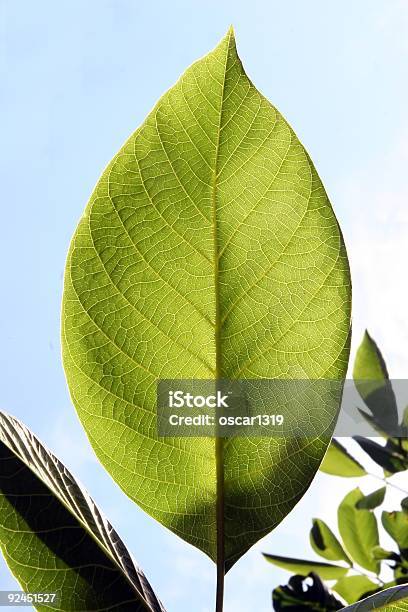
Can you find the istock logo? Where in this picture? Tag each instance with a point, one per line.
(179, 399)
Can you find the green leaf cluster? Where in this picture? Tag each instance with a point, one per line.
(358, 530)
(359, 549)
(381, 411)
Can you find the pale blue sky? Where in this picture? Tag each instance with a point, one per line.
(76, 79)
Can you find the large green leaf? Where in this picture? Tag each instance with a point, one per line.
(327, 571)
(325, 543)
(338, 462)
(394, 599)
(372, 381)
(55, 539)
(359, 531)
(209, 249)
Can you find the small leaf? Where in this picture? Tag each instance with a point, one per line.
(394, 599)
(359, 530)
(372, 382)
(338, 462)
(304, 594)
(208, 250)
(384, 456)
(53, 536)
(353, 588)
(398, 447)
(325, 543)
(401, 573)
(373, 500)
(369, 363)
(326, 571)
(381, 554)
(396, 525)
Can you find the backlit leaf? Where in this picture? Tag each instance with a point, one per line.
(372, 381)
(373, 500)
(338, 462)
(353, 588)
(359, 531)
(325, 543)
(208, 250)
(326, 571)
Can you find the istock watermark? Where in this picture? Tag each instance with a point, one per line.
(180, 399)
(249, 408)
(273, 408)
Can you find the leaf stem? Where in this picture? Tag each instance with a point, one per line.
(375, 576)
(387, 482)
(220, 525)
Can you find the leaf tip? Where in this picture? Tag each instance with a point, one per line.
(228, 41)
(231, 32)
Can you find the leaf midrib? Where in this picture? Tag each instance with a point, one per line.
(219, 442)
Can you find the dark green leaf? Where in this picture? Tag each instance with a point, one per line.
(384, 456)
(381, 554)
(326, 571)
(305, 595)
(338, 462)
(372, 382)
(53, 536)
(359, 530)
(325, 543)
(373, 500)
(375, 424)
